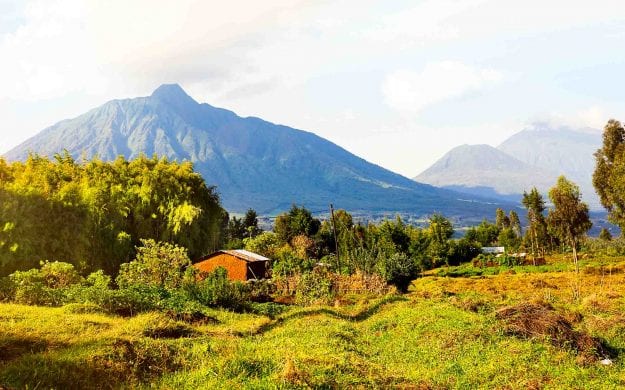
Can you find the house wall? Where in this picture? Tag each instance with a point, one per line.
(237, 268)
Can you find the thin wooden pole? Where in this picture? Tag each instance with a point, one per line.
(336, 241)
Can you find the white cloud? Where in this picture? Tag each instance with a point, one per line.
(90, 46)
(409, 91)
(424, 23)
(592, 118)
(45, 54)
(433, 21)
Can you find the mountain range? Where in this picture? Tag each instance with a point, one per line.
(533, 157)
(253, 163)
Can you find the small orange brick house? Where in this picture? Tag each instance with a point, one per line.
(240, 264)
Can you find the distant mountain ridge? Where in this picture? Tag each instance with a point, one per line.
(252, 162)
(535, 156)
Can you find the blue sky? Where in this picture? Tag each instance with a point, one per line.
(398, 83)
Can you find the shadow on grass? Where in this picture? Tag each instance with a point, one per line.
(357, 317)
(117, 364)
(13, 347)
(29, 362)
(59, 372)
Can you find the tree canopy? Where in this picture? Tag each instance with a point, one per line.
(536, 233)
(609, 175)
(93, 214)
(569, 219)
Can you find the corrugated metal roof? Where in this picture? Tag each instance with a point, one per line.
(239, 253)
(251, 255)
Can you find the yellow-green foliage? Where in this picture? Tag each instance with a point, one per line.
(442, 334)
(93, 213)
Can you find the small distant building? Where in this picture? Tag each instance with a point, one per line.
(521, 255)
(241, 265)
(494, 250)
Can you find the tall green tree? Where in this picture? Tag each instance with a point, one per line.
(609, 175)
(485, 234)
(395, 233)
(440, 230)
(250, 222)
(515, 223)
(236, 229)
(501, 219)
(297, 221)
(536, 233)
(605, 235)
(569, 219)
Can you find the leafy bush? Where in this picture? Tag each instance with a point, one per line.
(47, 286)
(484, 260)
(314, 288)
(182, 308)
(613, 247)
(94, 289)
(509, 261)
(462, 251)
(266, 244)
(59, 274)
(286, 262)
(132, 300)
(398, 269)
(158, 264)
(98, 279)
(261, 290)
(216, 290)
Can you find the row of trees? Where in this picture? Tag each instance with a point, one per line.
(393, 249)
(93, 214)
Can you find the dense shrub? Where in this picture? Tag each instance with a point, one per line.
(509, 261)
(314, 287)
(398, 270)
(266, 244)
(215, 289)
(462, 251)
(45, 286)
(158, 264)
(261, 290)
(484, 260)
(132, 300)
(286, 262)
(613, 247)
(180, 306)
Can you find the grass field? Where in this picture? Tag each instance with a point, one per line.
(445, 333)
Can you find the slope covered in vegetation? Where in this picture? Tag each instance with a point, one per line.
(444, 333)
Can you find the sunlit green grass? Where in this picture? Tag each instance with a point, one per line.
(447, 338)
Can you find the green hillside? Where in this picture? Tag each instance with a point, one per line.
(445, 333)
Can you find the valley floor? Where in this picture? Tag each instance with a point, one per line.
(445, 333)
